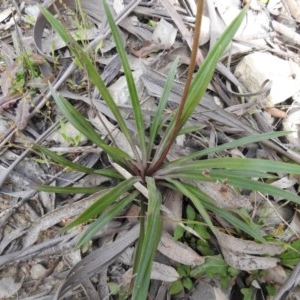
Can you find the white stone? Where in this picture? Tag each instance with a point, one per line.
(255, 68)
(165, 34)
(38, 271)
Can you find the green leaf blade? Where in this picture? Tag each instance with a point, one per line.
(231, 163)
(105, 218)
(230, 145)
(221, 212)
(206, 71)
(152, 237)
(136, 106)
(83, 126)
(103, 202)
(240, 182)
(182, 188)
(92, 72)
(157, 121)
(75, 166)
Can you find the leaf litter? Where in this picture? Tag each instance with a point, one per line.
(29, 228)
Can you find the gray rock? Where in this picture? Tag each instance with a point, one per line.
(255, 68)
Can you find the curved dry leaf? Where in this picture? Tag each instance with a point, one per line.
(163, 272)
(246, 255)
(8, 287)
(293, 7)
(178, 251)
(286, 31)
(177, 19)
(242, 246)
(8, 237)
(247, 262)
(114, 134)
(164, 34)
(6, 13)
(96, 261)
(173, 201)
(56, 216)
(48, 200)
(275, 275)
(294, 227)
(159, 271)
(23, 113)
(224, 196)
(133, 26)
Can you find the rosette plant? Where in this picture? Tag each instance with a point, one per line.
(145, 175)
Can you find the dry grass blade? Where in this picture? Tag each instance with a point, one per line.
(98, 259)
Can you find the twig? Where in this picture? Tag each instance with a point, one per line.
(191, 69)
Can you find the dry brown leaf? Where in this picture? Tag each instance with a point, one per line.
(293, 7)
(147, 48)
(294, 227)
(286, 31)
(57, 216)
(159, 272)
(238, 245)
(163, 272)
(8, 77)
(224, 196)
(178, 251)
(164, 34)
(115, 134)
(275, 275)
(9, 287)
(97, 261)
(247, 262)
(23, 113)
(174, 203)
(6, 13)
(177, 19)
(246, 255)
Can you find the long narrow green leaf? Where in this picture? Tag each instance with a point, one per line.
(190, 129)
(103, 202)
(223, 213)
(209, 174)
(236, 143)
(239, 182)
(136, 106)
(231, 163)
(140, 241)
(165, 139)
(83, 126)
(182, 189)
(152, 237)
(253, 185)
(85, 62)
(245, 173)
(74, 166)
(69, 189)
(206, 71)
(158, 120)
(105, 218)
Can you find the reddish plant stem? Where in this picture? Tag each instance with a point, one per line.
(191, 69)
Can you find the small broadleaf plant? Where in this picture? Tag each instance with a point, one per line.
(143, 177)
